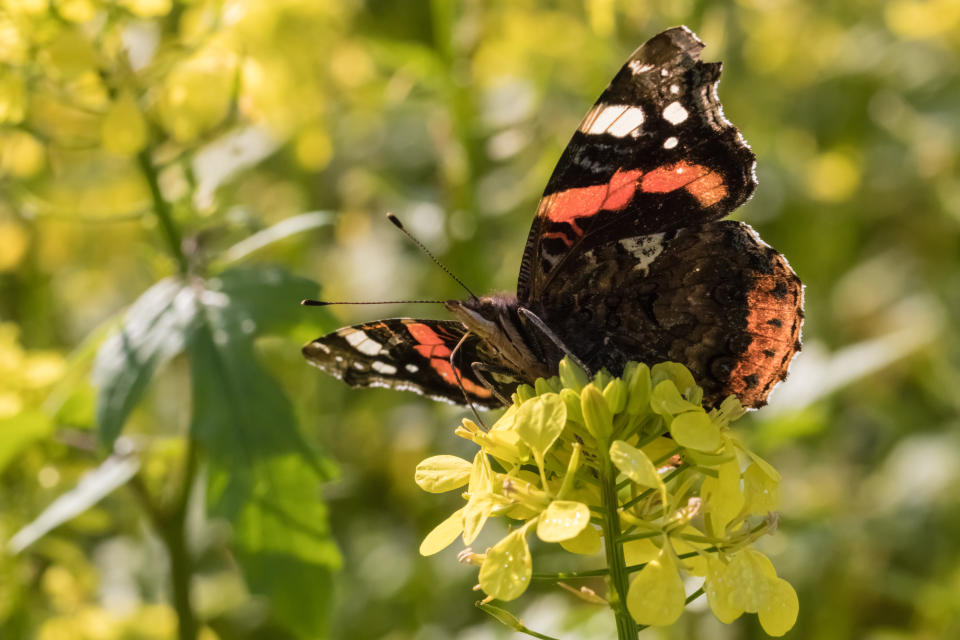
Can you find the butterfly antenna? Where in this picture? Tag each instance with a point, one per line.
(326, 303)
(399, 225)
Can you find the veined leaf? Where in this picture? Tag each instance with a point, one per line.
(154, 329)
(93, 486)
(263, 477)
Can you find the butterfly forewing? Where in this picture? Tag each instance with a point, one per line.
(653, 154)
(406, 354)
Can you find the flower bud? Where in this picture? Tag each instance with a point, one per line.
(572, 376)
(596, 414)
(615, 393)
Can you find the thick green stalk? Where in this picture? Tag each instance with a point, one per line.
(616, 563)
(162, 208)
(174, 534)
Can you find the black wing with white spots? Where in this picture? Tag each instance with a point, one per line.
(405, 354)
(652, 155)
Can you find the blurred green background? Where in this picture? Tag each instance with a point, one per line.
(223, 155)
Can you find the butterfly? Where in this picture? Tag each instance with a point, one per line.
(628, 258)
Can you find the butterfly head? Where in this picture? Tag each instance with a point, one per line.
(496, 321)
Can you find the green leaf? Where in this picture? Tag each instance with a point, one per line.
(154, 329)
(562, 520)
(281, 537)
(443, 535)
(262, 477)
(656, 596)
(261, 298)
(540, 421)
(695, 430)
(19, 431)
(502, 615)
(439, 474)
(505, 573)
(114, 472)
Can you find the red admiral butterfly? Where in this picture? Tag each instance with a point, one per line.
(627, 259)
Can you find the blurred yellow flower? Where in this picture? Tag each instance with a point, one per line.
(912, 19)
(148, 8)
(123, 130)
(833, 176)
(21, 155)
(77, 10)
(13, 244)
(12, 96)
(313, 148)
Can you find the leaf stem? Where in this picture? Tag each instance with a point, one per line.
(162, 208)
(616, 563)
(181, 563)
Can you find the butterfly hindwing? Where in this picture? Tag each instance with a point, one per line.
(406, 354)
(653, 154)
(713, 297)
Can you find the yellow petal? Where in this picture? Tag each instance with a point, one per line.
(439, 474)
(443, 534)
(506, 571)
(562, 520)
(656, 596)
(779, 614)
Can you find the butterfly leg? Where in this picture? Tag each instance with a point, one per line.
(456, 373)
(554, 338)
(478, 370)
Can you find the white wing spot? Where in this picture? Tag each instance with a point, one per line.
(674, 113)
(601, 117)
(412, 368)
(638, 67)
(361, 342)
(664, 73)
(338, 358)
(670, 142)
(674, 89)
(322, 347)
(630, 120)
(359, 366)
(383, 367)
(645, 249)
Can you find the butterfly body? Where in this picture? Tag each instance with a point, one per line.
(627, 259)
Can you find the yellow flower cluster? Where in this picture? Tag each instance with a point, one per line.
(687, 497)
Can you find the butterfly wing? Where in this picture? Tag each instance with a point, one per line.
(713, 297)
(653, 154)
(406, 354)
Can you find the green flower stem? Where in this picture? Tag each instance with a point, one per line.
(570, 575)
(162, 208)
(181, 564)
(667, 478)
(640, 536)
(693, 596)
(616, 563)
(170, 525)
